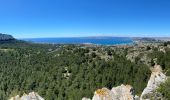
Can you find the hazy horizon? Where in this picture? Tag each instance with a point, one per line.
(97, 37)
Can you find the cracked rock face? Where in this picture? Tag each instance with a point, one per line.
(123, 92)
(157, 77)
(103, 94)
(30, 96)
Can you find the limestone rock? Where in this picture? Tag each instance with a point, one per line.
(30, 96)
(103, 94)
(15, 98)
(156, 78)
(123, 92)
(86, 98)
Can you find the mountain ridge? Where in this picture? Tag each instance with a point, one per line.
(6, 37)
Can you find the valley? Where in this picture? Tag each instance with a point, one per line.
(71, 72)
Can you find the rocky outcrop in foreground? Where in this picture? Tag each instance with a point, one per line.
(157, 77)
(123, 92)
(86, 98)
(30, 96)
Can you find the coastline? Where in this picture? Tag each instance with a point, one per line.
(110, 41)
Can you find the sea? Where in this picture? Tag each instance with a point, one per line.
(83, 40)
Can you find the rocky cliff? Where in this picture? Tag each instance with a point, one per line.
(157, 77)
(123, 92)
(30, 96)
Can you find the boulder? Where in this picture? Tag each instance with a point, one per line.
(30, 96)
(123, 92)
(86, 98)
(103, 94)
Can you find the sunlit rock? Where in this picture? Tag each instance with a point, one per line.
(30, 96)
(123, 92)
(86, 98)
(103, 94)
(156, 78)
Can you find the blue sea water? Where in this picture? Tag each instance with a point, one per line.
(83, 40)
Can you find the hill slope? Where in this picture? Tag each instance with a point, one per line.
(5, 37)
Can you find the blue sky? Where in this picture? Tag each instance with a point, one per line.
(72, 18)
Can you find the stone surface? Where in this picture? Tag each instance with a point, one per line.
(156, 78)
(86, 98)
(123, 92)
(103, 94)
(30, 96)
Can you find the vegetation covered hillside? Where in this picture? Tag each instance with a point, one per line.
(65, 72)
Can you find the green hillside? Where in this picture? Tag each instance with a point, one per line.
(65, 72)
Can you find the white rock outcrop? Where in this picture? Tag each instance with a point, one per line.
(30, 96)
(86, 98)
(156, 78)
(103, 94)
(123, 92)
